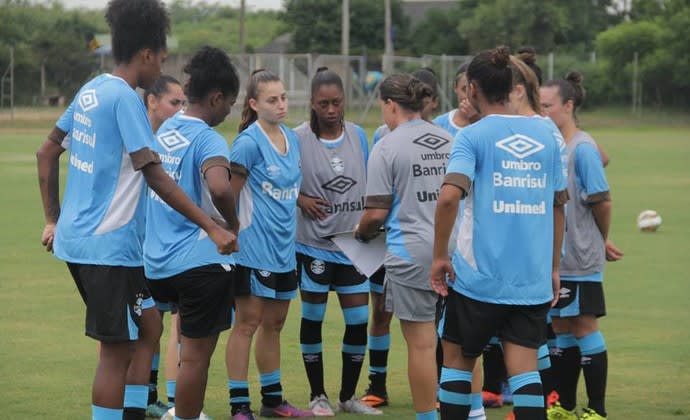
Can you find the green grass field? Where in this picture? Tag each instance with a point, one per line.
(47, 364)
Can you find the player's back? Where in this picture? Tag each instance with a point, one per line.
(103, 202)
(506, 236)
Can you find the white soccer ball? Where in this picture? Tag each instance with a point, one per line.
(648, 221)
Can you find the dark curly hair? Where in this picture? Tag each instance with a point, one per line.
(135, 25)
(210, 69)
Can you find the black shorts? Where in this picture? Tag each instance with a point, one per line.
(580, 298)
(261, 283)
(115, 298)
(318, 276)
(203, 297)
(471, 323)
(376, 281)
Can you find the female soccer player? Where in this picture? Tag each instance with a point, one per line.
(99, 229)
(580, 343)
(179, 260)
(376, 394)
(509, 170)
(266, 174)
(333, 153)
(162, 100)
(453, 120)
(404, 172)
(428, 76)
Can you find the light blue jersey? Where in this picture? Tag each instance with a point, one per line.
(174, 244)
(380, 131)
(267, 206)
(585, 254)
(505, 245)
(445, 121)
(102, 217)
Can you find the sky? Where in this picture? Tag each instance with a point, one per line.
(251, 4)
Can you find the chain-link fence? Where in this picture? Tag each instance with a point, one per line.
(360, 76)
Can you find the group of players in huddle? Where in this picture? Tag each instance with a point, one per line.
(158, 210)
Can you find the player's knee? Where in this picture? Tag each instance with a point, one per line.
(273, 325)
(246, 326)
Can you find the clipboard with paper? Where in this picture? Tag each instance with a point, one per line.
(366, 257)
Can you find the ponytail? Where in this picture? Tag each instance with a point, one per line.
(255, 79)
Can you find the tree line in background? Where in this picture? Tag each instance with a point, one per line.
(47, 35)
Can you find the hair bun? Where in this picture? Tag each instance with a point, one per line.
(500, 56)
(575, 78)
(322, 68)
(528, 55)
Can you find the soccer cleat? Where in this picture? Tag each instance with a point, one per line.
(511, 415)
(156, 410)
(245, 413)
(170, 415)
(552, 399)
(374, 399)
(589, 414)
(557, 412)
(285, 409)
(355, 406)
(491, 400)
(321, 407)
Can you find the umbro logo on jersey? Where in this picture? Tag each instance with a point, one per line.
(564, 293)
(340, 184)
(88, 100)
(430, 141)
(520, 146)
(172, 140)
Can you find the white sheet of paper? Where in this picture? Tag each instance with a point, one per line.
(366, 257)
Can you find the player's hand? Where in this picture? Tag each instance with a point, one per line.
(226, 241)
(556, 286)
(48, 236)
(313, 207)
(468, 110)
(613, 253)
(440, 268)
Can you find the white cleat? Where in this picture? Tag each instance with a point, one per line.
(356, 406)
(321, 407)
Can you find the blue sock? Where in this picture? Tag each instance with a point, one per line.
(136, 396)
(271, 390)
(528, 397)
(311, 345)
(378, 362)
(476, 407)
(170, 387)
(595, 368)
(182, 418)
(102, 413)
(239, 395)
(565, 365)
(429, 415)
(353, 349)
(454, 395)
